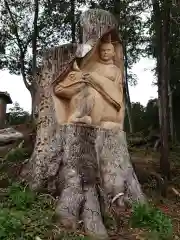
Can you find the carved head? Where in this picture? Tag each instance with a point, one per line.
(106, 51)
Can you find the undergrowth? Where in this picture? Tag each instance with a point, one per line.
(157, 225)
(25, 215)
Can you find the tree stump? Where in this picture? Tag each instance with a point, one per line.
(93, 159)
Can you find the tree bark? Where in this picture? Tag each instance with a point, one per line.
(94, 159)
(164, 98)
(127, 95)
(162, 20)
(34, 38)
(73, 24)
(158, 29)
(170, 94)
(31, 86)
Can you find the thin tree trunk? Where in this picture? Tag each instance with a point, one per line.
(171, 119)
(117, 10)
(158, 26)
(73, 24)
(127, 95)
(34, 38)
(164, 160)
(22, 49)
(30, 86)
(34, 85)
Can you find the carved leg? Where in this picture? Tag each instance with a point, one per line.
(82, 105)
(74, 118)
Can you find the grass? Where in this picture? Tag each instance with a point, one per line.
(156, 224)
(25, 215)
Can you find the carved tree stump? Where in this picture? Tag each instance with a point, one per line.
(82, 165)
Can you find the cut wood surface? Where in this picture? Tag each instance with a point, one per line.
(8, 135)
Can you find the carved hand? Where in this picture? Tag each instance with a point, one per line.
(86, 76)
(74, 75)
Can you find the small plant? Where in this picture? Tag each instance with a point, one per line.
(25, 215)
(10, 224)
(20, 196)
(64, 235)
(17, 155)
(157, 223)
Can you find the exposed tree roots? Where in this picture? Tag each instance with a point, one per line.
(94, 168)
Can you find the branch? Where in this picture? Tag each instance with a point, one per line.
(14, 24)
(175, 20)
(34, 37)
(22, 53)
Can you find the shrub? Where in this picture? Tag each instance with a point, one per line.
(157, 223)
(17, 155)
(24, 215)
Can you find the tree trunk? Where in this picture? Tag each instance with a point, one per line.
(82, 165)
(158, 29)
(127, 96)
(171, 118)
(73, 24)
(162, 18)
(91, 156)
(164, 160)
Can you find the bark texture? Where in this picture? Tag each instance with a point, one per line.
(92, 159)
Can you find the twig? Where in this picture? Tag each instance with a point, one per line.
(175, 191)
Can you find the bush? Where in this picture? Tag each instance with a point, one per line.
(21, 197)
(147, 217)
(17, 155)
(24, 215)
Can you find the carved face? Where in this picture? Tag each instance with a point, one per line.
(107, 51)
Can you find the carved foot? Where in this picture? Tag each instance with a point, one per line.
(112, 125)
(85, 120)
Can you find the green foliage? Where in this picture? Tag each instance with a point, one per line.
(147, 217)
(145, 119)
(20, 197)
(17, 115)
(10, 224)
(24, 215)
(53, 25)
(153, 47)
(17, 155)
(71, 236)
(109, 221)
(131, 27)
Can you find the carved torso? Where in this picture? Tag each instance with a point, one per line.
(92, 93)
(109, 71)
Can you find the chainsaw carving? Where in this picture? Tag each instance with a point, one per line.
(92, 93)
(81, 154)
